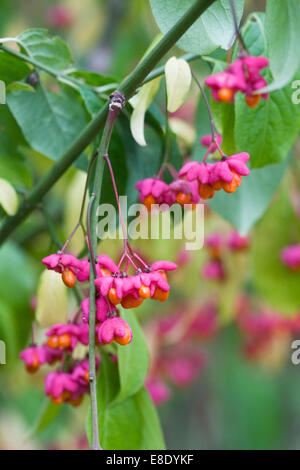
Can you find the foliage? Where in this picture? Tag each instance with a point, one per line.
(42, 119)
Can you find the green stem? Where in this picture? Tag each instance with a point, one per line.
(29, 60)
(62, 76)
(117, 102)
(128, 88)
(65, 77)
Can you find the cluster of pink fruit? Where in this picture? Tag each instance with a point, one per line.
(196, 181)
(244, 76)
(113, 286)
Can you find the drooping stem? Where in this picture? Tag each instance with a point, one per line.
(242, 45)
(80, 222)
(209, 110)
(89, 234)
(128, 88)
(211, 118)
(57, 243)
(127, 247)
(87, 185)
(124, 230)
(167, 142)
(117, 102)
(69, 238)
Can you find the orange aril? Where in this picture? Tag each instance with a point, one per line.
(86, 376)
(33, 367)
(206, 191)
(57, 401)
(252, 100)
(160, 295)
(123, 340)
(144, 292)
(225, 95)
(148, 201)
(131, 302)
(105, 272)
(112, 295)
(64, 341)
(183, 198)
(53, 342)
(231, 187)
(68, 277)
(218, 185)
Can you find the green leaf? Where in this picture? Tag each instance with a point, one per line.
(49, 121)
(213, 29)
(51, 52)
(11, 137)
(268, 131)
(11, 68)
(92, 101)
(225, 117)
(278, 285)
(93, 79)
(8, 330)
(132, 424)
(17, 274)
(254, 35)
(15, 171)
(15, 86)
(48, 414)
(133, 359)
(247, 205)
(283, 37)
(202, 127)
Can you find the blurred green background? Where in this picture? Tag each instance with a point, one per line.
(234, 403)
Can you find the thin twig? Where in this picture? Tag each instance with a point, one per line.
(211, 118)
(125, 237)
(242, 45)
(90, 244)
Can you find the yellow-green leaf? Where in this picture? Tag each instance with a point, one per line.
(140, 103)
(178, 81)
(73, 199)
(8, 197)
(52, 305)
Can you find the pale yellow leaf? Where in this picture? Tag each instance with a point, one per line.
(52, 302)
(8, 197)
(178, 81)
(73, 200)
(142, 102)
